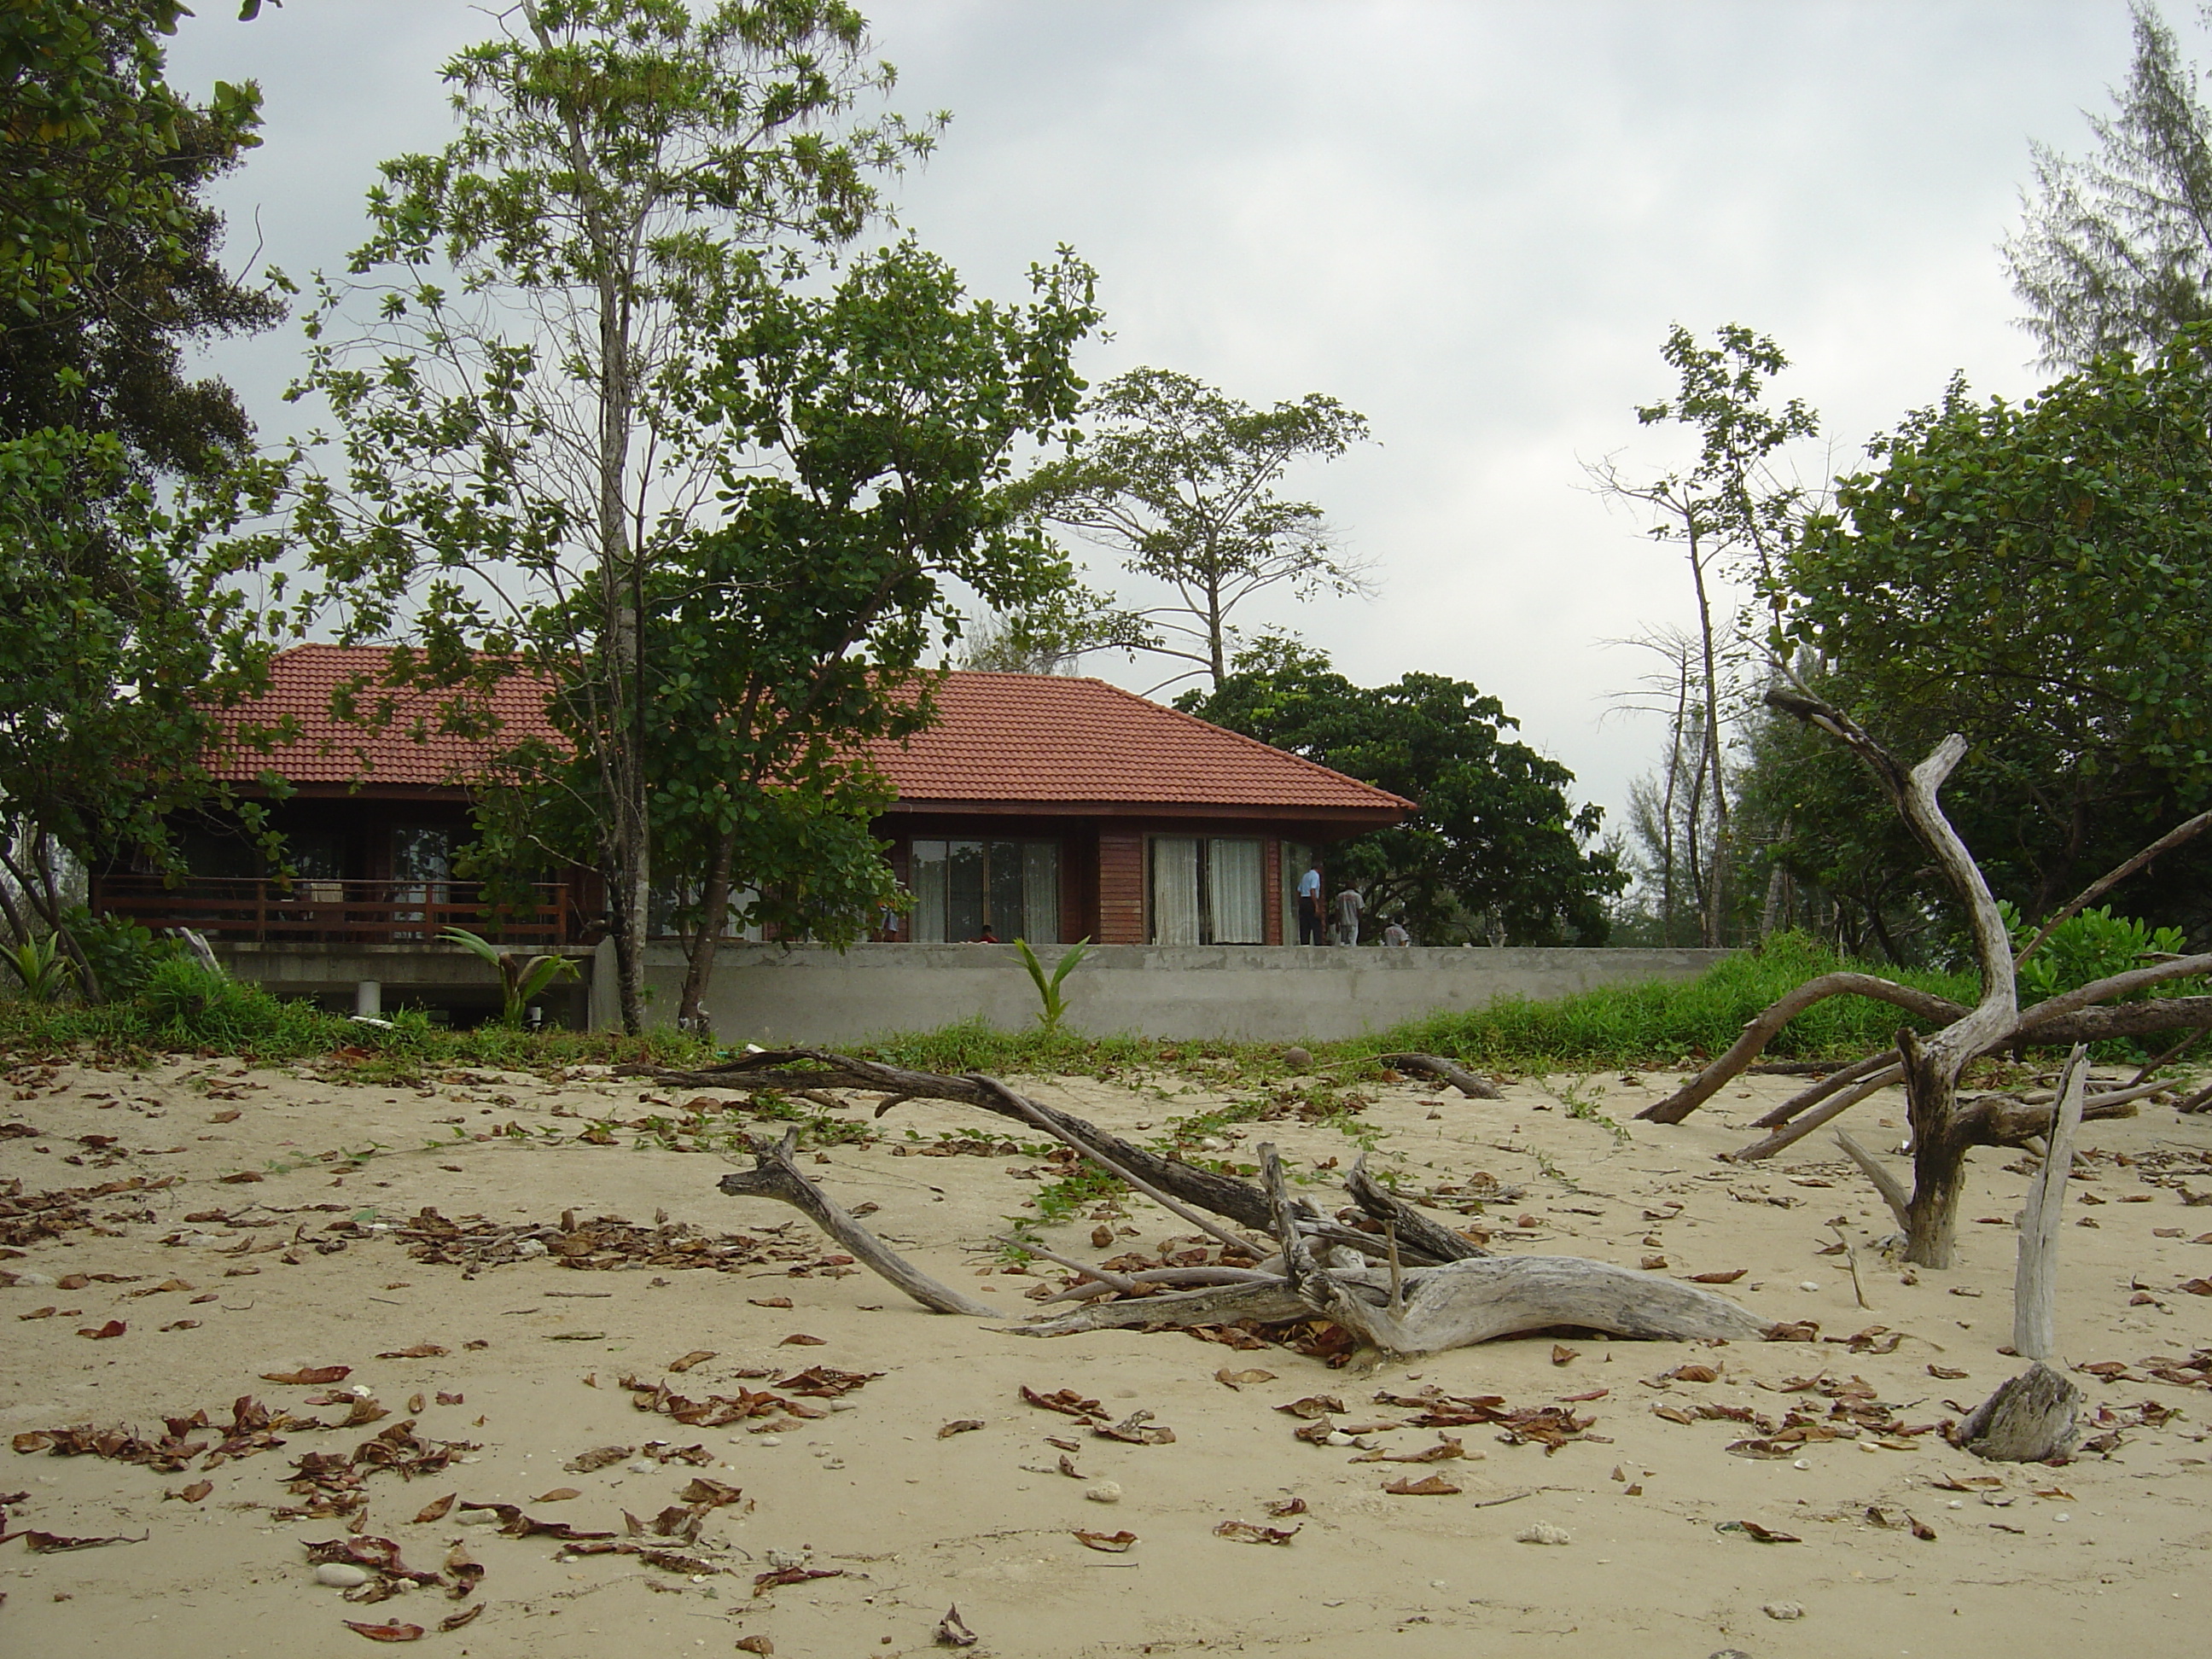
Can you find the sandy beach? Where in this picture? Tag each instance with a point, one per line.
(182, 1237)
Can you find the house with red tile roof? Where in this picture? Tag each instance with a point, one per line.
(1037, 806)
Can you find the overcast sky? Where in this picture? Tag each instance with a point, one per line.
(1473, 223)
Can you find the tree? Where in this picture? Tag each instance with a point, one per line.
(1730, 512)
(1179, 479)
(2115, 253)
(2038, 578)
(123, 483)
(526, 445)
(1496, 843)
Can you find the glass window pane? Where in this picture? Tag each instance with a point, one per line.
(1175, 890)
(1004, 909)
(964, 890)
(1233, 891)
(1041, 892)
(925, 875)
(1297, 855)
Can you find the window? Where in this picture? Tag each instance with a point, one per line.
(962, 887)
(1207, 890)
(1297, 856)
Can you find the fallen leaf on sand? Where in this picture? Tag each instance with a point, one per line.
(242, 1178)
(952, 1631)
(51, 1543)
(755, 1645)
(387, 1632)
(765, 1581)
(577, 1336)
(102, 1332)
(1245, 1533)
(800, 1340)
(454, 1621)
(192, 1493)
(436, 1511)
(1064, 1443)
(1066, 1401)
(769, 1301)
(696, 1357)
(1948, 1373)
(1228, 1378)
(1727, 1277)
(1431, 1485)
(450, 1398)
(1287, 1506)
(1561, 1356)
(1445, 1449)
(1585, 1395)
(182, 1325)
(310, 1377)
(597, 1458)
(415, 1402)
(1766, 1535)
(1313, 1406)
(420, 1351)
(961, 1425)
(224, 1117)
(1067, 1467)
(1111, 1543)
(1136, 1429)
(558, 1495)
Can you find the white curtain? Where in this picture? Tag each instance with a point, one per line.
(1235, 889)
(1041, 892)
(925, 875)
(1175, 890)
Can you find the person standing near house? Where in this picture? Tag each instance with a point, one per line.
(1309, 904)
(1349, 904)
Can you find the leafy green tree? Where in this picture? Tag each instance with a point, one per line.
(123, 483)
(2037, 577)
(526, 452)
(1730, 512)
(1497, 843)
(2116, 252)
(1179, 479)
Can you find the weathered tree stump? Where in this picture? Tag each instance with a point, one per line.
(2028, 1420)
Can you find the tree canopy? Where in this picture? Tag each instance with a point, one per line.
(1180, 480)
(1496, 852)
(2037, 577)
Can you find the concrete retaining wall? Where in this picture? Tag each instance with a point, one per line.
(766, 994)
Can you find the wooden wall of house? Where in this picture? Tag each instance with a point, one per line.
(1120, 885)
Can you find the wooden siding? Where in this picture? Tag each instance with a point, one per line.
(1121, 886)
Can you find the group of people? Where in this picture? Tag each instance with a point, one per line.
(1350, 905)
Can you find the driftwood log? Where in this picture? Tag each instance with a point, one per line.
(1451, 1295)
(1445, 1071)
(2035, 1279)
(2029, 1418)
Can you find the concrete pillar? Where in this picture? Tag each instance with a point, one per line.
(368, 998)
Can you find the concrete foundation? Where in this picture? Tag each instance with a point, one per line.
(380, 979)
(809, 995)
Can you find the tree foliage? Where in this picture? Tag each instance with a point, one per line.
(527, 450)
(123, 483)
(2037, 577)
(1180, 480)
(1497, 852)
(2115, 253)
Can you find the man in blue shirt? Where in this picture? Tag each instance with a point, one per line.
(1309, 904)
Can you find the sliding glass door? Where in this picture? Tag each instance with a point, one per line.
(961, 888)
(1207, 889)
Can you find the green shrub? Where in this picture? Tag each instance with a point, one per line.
(123, 954)
(2094, 945)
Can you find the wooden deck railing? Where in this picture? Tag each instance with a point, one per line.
(311, 911)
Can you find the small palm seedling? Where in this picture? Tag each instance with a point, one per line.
(1054, 1003)
(521, 976)
(40, 966)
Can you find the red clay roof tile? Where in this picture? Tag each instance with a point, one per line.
(1000, 740)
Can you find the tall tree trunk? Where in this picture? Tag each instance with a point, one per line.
(713, 911)
(1673, 790)
(1715, 920)
(1939, 1152)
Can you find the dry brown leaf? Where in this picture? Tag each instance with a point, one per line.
(1313, 1406)
(1561, 1355)
(102, 1332)
(1231, 1379)
(800, 1340)
(960, 1426)
(1287, 1506)
(769, 1301)
(952, 1631)
(1948, 1373)
(1728, 1277)
(1066, 1401)
(387, 1632)
(1767, 1534)
(450, 1399)
(245, 1177)
(1136, 1428)
(1245, 1533)
(230, 1116)
(597, 1458)
(558, 1495)
(755, 1645)
(696, 1357)
(1431, 1485)
(436, 1511)
(310, 1377)
(454, 1621)
(420, 1351)
(1111, 1543)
